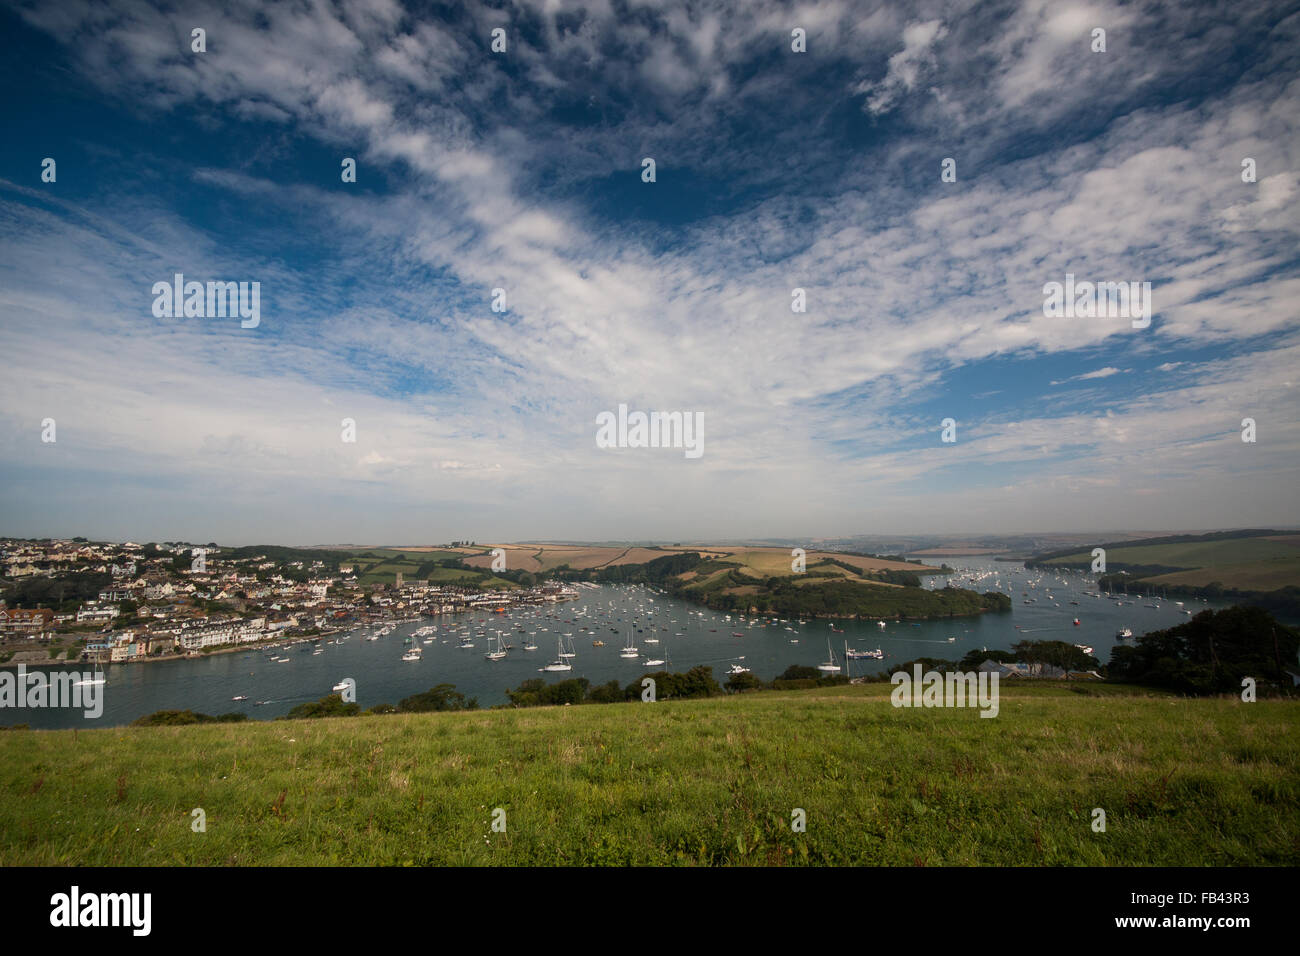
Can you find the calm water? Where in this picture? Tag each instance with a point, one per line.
(688, 636)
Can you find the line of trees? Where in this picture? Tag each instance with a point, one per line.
(697, 682)
(62, 593)
(1212, 653)
(442, 697)
(845, 598)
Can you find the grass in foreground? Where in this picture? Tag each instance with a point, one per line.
(1183, 782)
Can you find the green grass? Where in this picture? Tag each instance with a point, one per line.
(419, 557)
(1267, 574)
(457, 576)
(1243, 556)
(1183, 782)
(385, 572)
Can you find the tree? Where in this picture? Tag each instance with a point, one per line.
(800, 672)
(537, 693)
(742, 682)
(699, 682)
(974, 659)
(329, 706)
(610, 693)
(1211, 653)
(1054, 653)
(441, 697)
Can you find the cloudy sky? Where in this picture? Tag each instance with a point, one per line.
(522, 170)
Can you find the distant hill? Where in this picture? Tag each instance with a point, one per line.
(1255, 566)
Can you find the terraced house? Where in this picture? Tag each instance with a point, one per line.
(25, 619)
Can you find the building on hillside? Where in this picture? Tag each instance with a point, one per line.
(26, 619)
(92, 613)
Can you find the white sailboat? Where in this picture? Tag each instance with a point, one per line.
(496, 655)
(830, 667)
(629, 650)
(559, 664)
(95, 680)
(659, 662)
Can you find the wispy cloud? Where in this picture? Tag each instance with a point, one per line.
(522, 172)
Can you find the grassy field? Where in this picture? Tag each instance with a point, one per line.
(1183, 782)
(775, 562)
(538, 557)
(1252, 563)
(1266, 575)
(720, 582)
(764, 562)
(1193, 554)
(380, 565)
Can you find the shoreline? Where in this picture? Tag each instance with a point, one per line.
(186, 656)
(263, 644)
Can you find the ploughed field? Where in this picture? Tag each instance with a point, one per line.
(715, 781)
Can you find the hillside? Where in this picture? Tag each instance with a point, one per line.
(1260, 567)
(1252, 558)
(754, 579)
(1183, 782)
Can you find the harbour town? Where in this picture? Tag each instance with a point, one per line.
(129, 603)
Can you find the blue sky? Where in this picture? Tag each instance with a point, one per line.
(522, 170)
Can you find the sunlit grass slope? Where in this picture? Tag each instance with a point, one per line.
(1182, 782)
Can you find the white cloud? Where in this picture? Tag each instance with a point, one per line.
(908, 286)
(905, 67)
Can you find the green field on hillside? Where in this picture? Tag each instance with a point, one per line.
(381, 565)
(714, 781)
(1266, 575)
(1248, 563)
(1191, 554)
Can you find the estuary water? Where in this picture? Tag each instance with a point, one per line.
(661, 628)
